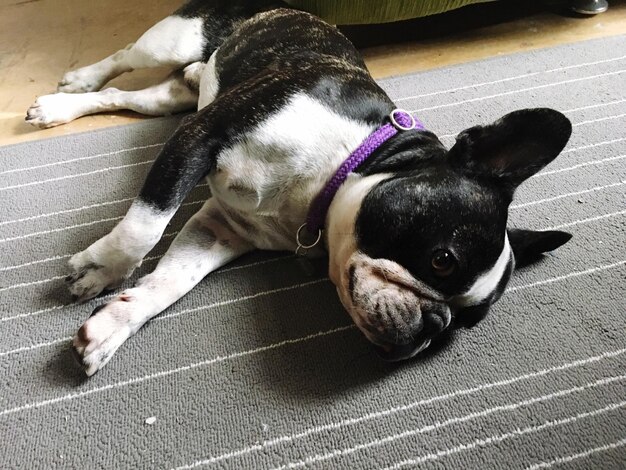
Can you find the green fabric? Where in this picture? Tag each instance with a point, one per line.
(376, 11)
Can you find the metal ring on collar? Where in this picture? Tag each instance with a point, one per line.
(399, 126)
(307, 247)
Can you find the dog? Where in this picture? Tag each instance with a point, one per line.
(303, 151)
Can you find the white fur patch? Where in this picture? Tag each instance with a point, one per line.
(202, 246)
(340, 236)
(59, 108)
(315, 139)
(172, 41)
(142, 226)
(273, 173)
(168, 97)
(487, 282)
(113, 258)
(348, 201)
(209, 83)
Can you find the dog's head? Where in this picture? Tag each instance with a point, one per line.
(415, 251)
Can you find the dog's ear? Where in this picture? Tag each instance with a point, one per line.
(514, 147)
(528, 245)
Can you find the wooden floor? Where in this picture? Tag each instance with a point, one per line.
(42, 39)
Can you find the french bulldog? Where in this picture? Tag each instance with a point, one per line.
(416, 233)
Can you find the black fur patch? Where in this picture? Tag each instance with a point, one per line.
(410, 216)
(458, 200)
(409, 150)
(221, 16)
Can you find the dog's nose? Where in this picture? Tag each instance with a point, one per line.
(399, 346)
(436, 318)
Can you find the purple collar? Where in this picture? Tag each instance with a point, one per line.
(400, 120)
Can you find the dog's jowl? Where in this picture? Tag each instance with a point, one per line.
(295, 137)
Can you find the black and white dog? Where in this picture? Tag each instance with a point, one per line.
(416, 235)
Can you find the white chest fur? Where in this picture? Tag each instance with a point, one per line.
(270, 177)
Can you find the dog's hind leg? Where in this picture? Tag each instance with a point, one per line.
(173, 42)
(169, 97)
(205, 243)
(189, 35)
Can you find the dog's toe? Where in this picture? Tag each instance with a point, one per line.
(51, 110)
(78, 81)
(99, 337)
(75, 276)
(36, 116)
(94, 271)
(84, 290)
(88, 284)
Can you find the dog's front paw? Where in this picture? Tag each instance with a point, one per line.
(52, 110)
(81, 81)
(101, 335)
(92, 274)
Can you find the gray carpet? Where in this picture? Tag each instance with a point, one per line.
(259, 367)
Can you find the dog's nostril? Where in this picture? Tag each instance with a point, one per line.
(436, 319)
(433, 324)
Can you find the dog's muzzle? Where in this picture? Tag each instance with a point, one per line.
(395, 311)
(398, 342)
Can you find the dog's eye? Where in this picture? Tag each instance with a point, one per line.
(443, 263)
